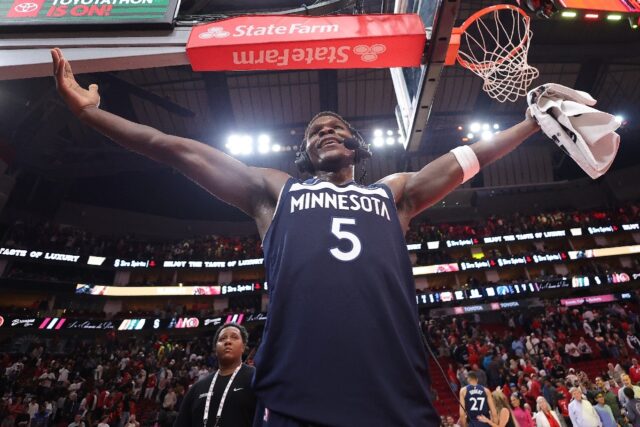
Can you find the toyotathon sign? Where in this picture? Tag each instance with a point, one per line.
(302, 42)
(17, 14)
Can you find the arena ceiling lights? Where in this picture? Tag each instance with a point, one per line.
(246, 144)
(385, 137)
(478, 130)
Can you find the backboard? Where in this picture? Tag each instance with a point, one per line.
(415, 88)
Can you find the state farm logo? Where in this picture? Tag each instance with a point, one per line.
(214, 33)
(369, 53)
(325, 55)
(26, 7)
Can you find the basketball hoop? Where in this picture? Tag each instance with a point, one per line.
(493, 43)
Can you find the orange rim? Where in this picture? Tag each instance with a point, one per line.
(458, 31)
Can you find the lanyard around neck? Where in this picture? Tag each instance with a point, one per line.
(205, 417)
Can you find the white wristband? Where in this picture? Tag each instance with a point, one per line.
(468, 162)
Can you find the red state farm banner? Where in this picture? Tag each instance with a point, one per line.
(303, 42)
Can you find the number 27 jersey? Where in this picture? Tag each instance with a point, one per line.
(342, 344)
(475, 403)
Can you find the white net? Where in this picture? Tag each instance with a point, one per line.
(495, 47)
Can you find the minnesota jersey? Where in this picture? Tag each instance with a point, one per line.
(475, 403)
(341, 344)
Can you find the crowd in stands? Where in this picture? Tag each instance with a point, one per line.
(139, 380)
(519, 223)
(168, 311)
(66, 239)
(125, 381)
(101, 382)
(535, 355)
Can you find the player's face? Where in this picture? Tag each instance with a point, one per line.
(325, 143)
(229, 346)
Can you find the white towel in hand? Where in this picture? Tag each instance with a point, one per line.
(567, 117)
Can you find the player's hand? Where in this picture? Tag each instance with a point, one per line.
(76, 97)
(483, 419)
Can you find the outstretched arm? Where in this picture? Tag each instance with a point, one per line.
(416, 191)
(503, 419)
(250, 189)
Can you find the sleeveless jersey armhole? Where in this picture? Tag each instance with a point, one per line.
(286, 186)
(387, 190)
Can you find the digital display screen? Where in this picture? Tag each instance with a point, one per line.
(94, 14)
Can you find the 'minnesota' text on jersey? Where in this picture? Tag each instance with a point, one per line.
(342, 344)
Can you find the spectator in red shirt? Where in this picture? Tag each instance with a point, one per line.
(634, 371)
(527, 397)
(473, 354)
(562, 389)
(17, 408)
(151, 386)
(535, 388)
(529, 369)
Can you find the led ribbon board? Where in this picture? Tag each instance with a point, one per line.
(603, 5)
(37, 15)
(303, 42)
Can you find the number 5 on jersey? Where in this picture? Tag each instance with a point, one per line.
(337, 230)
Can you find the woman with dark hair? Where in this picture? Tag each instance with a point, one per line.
(521, 415)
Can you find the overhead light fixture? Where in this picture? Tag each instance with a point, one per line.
(377, 132)
(568, 14)
(614, 17)
(264, 143)
(378, 141)
(470, 135)
(487, 135)
(475, 127)
(496, 126)
(592, 16)
(391, 141)
(234, 144)
(246, 144)
(276, 148)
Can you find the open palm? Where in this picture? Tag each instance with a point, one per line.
(76, 97)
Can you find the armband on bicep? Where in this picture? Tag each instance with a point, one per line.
(468, 162)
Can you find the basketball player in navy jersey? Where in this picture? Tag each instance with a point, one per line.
(342, 345)
(476, 401)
